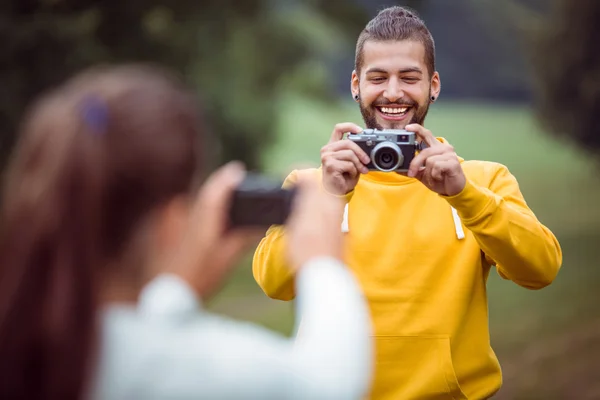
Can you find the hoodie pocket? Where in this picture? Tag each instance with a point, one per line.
(414, 367)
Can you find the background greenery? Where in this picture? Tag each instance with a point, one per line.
(274, 76)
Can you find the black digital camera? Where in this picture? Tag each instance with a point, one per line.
(389, 149)
(260, 202)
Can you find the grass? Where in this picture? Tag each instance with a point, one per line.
(560, 186)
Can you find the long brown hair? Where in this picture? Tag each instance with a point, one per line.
(94, 158)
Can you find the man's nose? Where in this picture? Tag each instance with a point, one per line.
(393, 92)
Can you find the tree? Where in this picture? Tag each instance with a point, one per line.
(235, 53)
(567, 71)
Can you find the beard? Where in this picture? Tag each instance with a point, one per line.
(369, 113)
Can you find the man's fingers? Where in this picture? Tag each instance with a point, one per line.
(425, 134)
(421, 158)
(333, 165)
(346, 145)
(419, 161)
(440, 168)
(436, 166)
(341, 128)
(345, 155)
(349, 155)
(432, 163)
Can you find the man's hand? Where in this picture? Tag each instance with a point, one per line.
(343, 161)
(437, 166)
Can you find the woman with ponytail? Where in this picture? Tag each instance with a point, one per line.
(108, 247)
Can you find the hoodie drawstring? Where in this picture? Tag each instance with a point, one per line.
(460, 233)
(345, 227)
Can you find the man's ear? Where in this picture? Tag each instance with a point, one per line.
(436, 86)
(354, 87)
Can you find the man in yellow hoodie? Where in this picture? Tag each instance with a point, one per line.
(422, 243)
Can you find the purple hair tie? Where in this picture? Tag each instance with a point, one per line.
(95, 114)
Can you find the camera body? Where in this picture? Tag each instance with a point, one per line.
(389, 149)
(260, 202)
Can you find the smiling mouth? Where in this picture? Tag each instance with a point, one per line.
(394, 111)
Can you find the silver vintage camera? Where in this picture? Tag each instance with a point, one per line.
(389, 149)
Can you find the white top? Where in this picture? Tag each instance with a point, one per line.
(169, 348)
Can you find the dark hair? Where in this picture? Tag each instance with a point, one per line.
(395, 24)
(94, 158)
(566, 65)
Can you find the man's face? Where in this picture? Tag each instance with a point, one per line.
(394, 85)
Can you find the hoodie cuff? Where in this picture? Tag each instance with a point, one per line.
(471, 202)
(345, 197)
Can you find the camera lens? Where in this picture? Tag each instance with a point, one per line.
(387, 159)
(387, 156)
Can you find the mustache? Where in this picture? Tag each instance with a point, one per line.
(399, 102)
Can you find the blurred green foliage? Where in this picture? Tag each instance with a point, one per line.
(238, 54)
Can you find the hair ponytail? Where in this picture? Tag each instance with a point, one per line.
(48, 255)
(93, 161)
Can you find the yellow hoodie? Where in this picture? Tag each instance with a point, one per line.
(423, 261)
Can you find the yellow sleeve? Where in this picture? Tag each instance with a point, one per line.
(523, 249)
(270, 264)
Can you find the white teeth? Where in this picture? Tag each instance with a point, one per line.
(389, 110)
